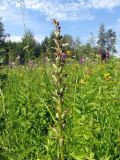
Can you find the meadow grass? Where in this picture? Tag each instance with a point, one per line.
(92, 103)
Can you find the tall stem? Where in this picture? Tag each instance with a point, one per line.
(61, 137)
(58, 78)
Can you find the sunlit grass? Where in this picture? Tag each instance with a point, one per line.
(92, 102)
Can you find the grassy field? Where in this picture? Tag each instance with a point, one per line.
(91, 103)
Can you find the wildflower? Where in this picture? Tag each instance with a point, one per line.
(60, 85)
(107, 53)
(54, 66)
(81, 60)
(82, 82)
(54, 78)
(107, 76)
(68, 53)
(57, 33)
(64, 56)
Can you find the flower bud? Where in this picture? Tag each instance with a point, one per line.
(57, 34)
(54, 78)
(57, 115)
(64, 114)
(54, 66)
(59, 69)
(56, 100)
(61, 90)
(55, 131)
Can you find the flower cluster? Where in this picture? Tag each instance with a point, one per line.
(59, 80)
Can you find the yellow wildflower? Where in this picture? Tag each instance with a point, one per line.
(82, 82)
(107, 76)
(68, 53)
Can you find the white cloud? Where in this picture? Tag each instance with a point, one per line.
(104, 4)
(39, 38)
(9, 13)
(70, 10)
(3, 5)
(15, 38)
(56, 9)
(63, 10)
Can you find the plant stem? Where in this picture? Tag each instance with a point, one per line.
(61, 138)
(3, 101)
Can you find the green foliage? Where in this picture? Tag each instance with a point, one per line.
(95, 108)
(28, 45)
(91, 102)
(25, 153)
(101, 36)
(26, 119)
(87, 123)
(107, 38)
(2, 33)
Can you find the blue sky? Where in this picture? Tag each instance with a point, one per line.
(77, 17)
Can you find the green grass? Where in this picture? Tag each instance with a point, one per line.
(92, 103)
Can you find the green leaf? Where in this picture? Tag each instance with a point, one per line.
(25, 153)
(2, 50)
(80, 157)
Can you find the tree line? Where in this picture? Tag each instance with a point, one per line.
(30, 49)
